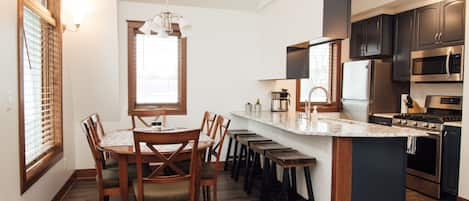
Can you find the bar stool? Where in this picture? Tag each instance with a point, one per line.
(245, 141)
(232, 136)
(289, 161)
(259, 149)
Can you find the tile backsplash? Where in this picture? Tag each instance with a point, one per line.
(418, 91)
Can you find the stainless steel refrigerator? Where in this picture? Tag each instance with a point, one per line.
(368, 88)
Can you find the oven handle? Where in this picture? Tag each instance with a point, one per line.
(448, 56)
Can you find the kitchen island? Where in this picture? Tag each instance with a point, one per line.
(356, 161)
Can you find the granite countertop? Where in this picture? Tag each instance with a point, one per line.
(329, 124)
(454, 124)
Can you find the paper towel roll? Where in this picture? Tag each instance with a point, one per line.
(404, 107)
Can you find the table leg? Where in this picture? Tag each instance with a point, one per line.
(124, 177)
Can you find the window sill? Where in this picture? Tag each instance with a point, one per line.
(322, 107)
(33, 174)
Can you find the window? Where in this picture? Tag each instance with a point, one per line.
(325, 71)
(40, 89)
(157, 72)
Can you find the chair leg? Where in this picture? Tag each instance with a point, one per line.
(251, 175)
(309, 184)
(293, 180)
(286, 184)
(235, 160)
(204, 195)
(215, 198)
(239, 163)
(106, 198)
(247, 169)
(208, 193)
(265, 190)
(227, 158)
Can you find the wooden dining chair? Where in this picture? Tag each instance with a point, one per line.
(107, 179)
(210, 170)
(143, 118)
(208, 122)
(159, 186)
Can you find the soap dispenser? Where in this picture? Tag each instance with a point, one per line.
(314, 115)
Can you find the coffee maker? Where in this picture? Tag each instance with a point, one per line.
(280, 101)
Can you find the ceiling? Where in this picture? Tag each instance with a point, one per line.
(249, 5)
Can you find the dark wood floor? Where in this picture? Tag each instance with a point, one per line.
(229, 190)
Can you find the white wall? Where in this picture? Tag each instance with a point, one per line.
(51, 182)
(283, 24)
(91, 55)
(464, 171)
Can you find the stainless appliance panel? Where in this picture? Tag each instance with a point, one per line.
(438, 65)
(356, 80)
(355, 110)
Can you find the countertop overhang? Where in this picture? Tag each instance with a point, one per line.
(327, 125)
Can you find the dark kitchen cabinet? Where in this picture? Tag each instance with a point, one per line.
(450, 162)
(440, 24)
(452, 22)
(372, 37)
(298, 62)
(403, 39)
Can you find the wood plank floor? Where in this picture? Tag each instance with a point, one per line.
(228, 190)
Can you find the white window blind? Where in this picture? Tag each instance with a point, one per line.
(157, 69)
(40, 59)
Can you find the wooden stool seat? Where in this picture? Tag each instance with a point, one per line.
(292, 158)
(247, 140)
(232, 135)
(262, 147)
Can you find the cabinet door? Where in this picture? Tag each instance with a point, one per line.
(427, 26)
(450, 161)
(357, 40)
(297, 63)
(402, 45)
(452, 22)
(373, 36)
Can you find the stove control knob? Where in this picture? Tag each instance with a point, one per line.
(414, 124)
(432, 126)
(425, 124)
(403, 122)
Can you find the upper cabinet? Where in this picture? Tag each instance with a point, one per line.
(440, 24)
(372, 37)
(403, 39)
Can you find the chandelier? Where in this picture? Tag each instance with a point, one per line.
(162, 24)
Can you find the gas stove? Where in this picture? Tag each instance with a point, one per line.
(440, 109)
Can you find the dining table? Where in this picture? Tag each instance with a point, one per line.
(120, 146)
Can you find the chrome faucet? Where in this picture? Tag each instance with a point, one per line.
(308, 103)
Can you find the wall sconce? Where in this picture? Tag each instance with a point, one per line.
(73, 14)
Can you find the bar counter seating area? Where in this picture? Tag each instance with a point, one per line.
(234, 100)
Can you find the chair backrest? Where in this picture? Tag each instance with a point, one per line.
(186, 144)
(218, 134)
(98, 127)
(87, 126)
(208, 122)
(154, 115)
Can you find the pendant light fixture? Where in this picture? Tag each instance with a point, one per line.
(162, 24)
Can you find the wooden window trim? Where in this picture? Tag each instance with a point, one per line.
(179, 108)
(31, 174)
(336, 105)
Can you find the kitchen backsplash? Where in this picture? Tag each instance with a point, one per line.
(418, 91)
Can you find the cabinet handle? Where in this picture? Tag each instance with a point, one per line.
(439, 36)
(445, 133)
(436, 37)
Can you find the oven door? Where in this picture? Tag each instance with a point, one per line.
(426, 162)
(437, 65)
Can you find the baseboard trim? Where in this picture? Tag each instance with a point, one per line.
(65, 188)
(85, 174)
(462, 199)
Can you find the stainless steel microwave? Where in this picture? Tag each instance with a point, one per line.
(444, 64)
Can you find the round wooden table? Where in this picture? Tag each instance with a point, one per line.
(120, 145)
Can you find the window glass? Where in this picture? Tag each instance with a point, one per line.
(319, 73)
(157, 61)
